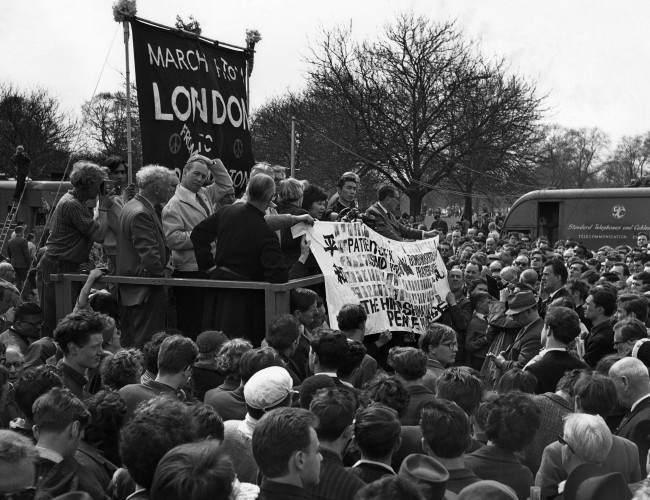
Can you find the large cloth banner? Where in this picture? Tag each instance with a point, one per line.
(401, 285)
(192, 98)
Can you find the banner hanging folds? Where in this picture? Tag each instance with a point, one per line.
(192, 99)
(401, 285)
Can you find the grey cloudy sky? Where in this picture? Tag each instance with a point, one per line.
(590, 57)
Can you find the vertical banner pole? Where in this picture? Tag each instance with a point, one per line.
(293, 146)
(129, 145)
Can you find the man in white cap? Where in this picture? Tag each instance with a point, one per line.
(266, 390)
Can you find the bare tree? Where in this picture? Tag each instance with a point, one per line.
(627, 162)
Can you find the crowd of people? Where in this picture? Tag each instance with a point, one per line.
(533, 383)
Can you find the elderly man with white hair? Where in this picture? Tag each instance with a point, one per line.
(142, 251)
(632, 383)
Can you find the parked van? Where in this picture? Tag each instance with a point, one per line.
(594, 217)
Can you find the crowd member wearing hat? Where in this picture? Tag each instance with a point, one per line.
(286, 448)
(427, 474)
(599, 308)
(632, 383)
(509, 422)
(334, 409)
(561, 327)
(264, 391)
(377, 432)
(205, 372)
(594, 394)
(175, 360)
(522, 308)
(604, 487)
(446, 435)
(410, 365)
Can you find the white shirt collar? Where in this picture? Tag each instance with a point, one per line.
(372, 462)
(46, 453)
(636, 403)
(247, 426)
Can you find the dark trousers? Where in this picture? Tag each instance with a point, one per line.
(140, 322)
(189, 304)
(47, 292)
(20, 185)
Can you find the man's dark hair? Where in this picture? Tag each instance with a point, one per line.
(331, 348)
(460, 385)
(77, 327)
(597, 393)
(568, 381)
(511, 420)
(389, 487)
(353, 358)
(351, 316)
(176, 354)
(255, 360)
(564, 323)
(408, 362)
(113, 161)
(434, 335)
(105, 304)
(107, 417)
(385, 191)
(200, 471)
(27, 309)
(310, 386)
(209, 424)
(156, 427)
(559, 269)
(579, 287)
(283, 332)
(278, 435)
(605, 298)
(377, 431)
(636, 304)
(516, 379)
(631, 329)
(312, 194)
(33, 383)
(302, 299)
(445, 428)
(150, 351)
(388, 391)
(57, 409)
(123, 368)
(334, 409)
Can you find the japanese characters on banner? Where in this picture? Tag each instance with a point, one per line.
(401, 285)
(191, 99)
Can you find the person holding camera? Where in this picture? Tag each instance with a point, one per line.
(73, 230)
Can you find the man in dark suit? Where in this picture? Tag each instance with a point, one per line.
(438, 224)
(247, 250)
(554, 277)
(522, 309)
(599, 308)
(385, 222)
(632, 383)
(18, 252)
(142, 252)
(561, 327)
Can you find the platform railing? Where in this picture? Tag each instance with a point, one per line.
(276, 295)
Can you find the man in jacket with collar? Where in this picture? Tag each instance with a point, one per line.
(385, 222)
(632, 383)
(599, 308)
(191, 204)
(142, 252)
(522, 308)
(554, 277)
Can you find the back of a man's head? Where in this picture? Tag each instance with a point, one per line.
(588, 437)
(445, 428)
(176, 354)
(390, 488)
(408, 362)
(334, 409)
(33, 383)
(351, 317)
(156, 427)
(330, 347)
(487, 490)
(59, 411)
(388, 391)
(255, 360)
(459, 385)
(377, 431)
(564, 323)
(17, 458)
(283, 332)
(200, 471)
(594, 394)
(260, 188)
(278, 436)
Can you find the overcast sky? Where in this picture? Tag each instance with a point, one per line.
(590, 56)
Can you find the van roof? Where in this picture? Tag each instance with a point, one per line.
(563, 194)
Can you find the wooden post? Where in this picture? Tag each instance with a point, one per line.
(293, 146)
(129, 145)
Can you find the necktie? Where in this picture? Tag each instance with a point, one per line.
(202, 203)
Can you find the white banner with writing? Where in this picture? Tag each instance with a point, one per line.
(401, 285)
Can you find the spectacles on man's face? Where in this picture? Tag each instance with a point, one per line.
(563, 441)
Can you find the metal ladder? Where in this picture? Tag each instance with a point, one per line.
(8, 224)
